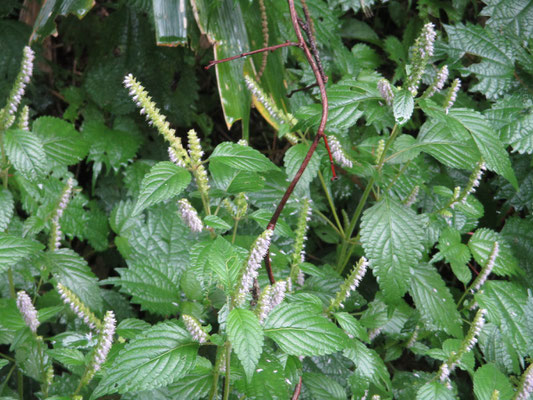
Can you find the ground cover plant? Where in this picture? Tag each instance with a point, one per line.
(268, 199)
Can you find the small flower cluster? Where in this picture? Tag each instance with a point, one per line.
(265, 100)
(452, 94)
(526, 384)
(456, 197)
(190, 216)
(350, 284)
(422, 51)
(338, 153)
(198, 169)
(413, 338)
(467, 345)
(380, 150)
(439, 82)
(195, 329)
(410, 200)
(105, 341)
(427, 39)
(174, 157)
(80, 309)
(385, 90)
(55, 234)
(487, 268)
(474, 181)
(270, 298)
(298, 254)
(16, 94)
(253, 263)
(154, 117)
(28, 311)
(24, 119)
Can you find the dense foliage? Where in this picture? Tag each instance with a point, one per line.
(138, 187)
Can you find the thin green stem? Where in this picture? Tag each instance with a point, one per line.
(234, 230)
(3, 163)
(228, 373)
(214, 386)
(328, 221)
(7, 357)
(330, 201)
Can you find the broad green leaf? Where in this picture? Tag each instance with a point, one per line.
(293, 160)
(498, 349)
(262, 217)
(131, 327)
(515, 15)
(405, 148)
(481, 244)
(246, 338)
(71, 270)
(323, 387)
(160, 356)
(155, 287)
(351, 326)
(14, 249)
(61, 142)
(241, 157)
(455, 253)
(487, 141)
(495, 71)
(434, 390)
(7, 207)
(368, 364)
(403, 105)
(488, 378)
(233, 180)
(451, 347)
(299, 331)
(216, 222)
(518, 233)
(25, 151)
(391, 235)
(170, 20)
(164, 181)
(196, 384)
(505, 303)
(67, 357)
(226, 262)
(3, 363)
(434, 300)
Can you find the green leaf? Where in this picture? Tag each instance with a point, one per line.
(455, 253)
(434, 390)
(262, 217)
(14, 249)
(505, 303)
(196, 384)
(495, 71)
(518, 233)
(160, 356)
(491, 148)
(242, 158)
(434, 300)
(488, 378)
(246, 338)
(515, 15)
(351, 326)
(403, 106)
(481, 244)
(498, 349)
(164, 181)
(391, 235)
(299, 331)
(67, 357)
(131, 327)
(226, 262)
(25, 152)
(369, 364)
(72, 271)
(323, 387)
(170, 20)
(61, 142)
(217, 223)
(7, 207)
(293, 160)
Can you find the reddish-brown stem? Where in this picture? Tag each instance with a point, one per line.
(297, 390)
(251, 53)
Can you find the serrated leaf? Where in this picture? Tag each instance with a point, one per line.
(164, 181)
(161, 355)
(323, 387)
(7, 207)
(434, 300)
(392, 238)
(491, 148)
(368, 364)
(196, 384)
(505, 303)
(25, 152)
(72, 271)
(402, 106)
(246, 337)
(293, 160)
(481, 244)
(498, 349)
(299, 331)
(262, 217)
(14, 249)
(67, 357)
(131, 327)
(434, 390)
(225, 261)
(61, 142)
(216, 222)
(455, 253)
(242, 158)
(488, 378)
(351, 326)
(518, 233)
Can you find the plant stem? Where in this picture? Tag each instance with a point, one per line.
(3, 161)
(228, 373)
(11, 283)
(331, 204)
(234, 230)
(345, 255)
